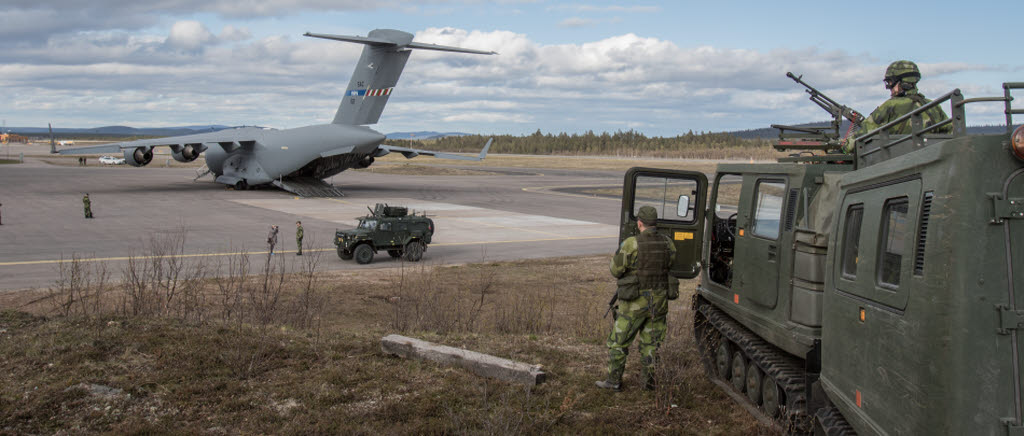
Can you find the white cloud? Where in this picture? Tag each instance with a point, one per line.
(576, 22)
(189, 35)
(192, 76)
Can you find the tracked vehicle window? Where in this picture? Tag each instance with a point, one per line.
(851, 240)
(664, 195)
(768, 212)
(894, 234)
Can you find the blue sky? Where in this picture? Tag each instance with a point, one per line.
(662, 68)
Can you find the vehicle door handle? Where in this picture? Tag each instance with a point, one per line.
(772, 252)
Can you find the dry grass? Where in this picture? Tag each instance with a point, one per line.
(286, 349)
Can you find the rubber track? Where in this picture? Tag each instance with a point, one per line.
(833, 423)
(787, 370)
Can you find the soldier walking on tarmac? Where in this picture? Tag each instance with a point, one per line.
(298, 237)
(88, 205)
(641, 266)
(272, 238)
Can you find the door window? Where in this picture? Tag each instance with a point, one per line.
(666, 194)
(894, 239)
(851, 240)
(768, 211)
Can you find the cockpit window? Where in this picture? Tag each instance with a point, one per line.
(368, 224)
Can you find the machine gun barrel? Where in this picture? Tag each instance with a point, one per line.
(831, 106)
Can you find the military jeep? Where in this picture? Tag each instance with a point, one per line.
(389, 228)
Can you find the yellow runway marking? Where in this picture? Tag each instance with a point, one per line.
(183, 256)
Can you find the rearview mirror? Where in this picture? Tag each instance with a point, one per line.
(683, 206)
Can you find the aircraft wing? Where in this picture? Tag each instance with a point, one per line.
(410, 153)
(228, 139)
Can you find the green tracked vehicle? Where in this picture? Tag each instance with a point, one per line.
(389, 228)
(878, 292)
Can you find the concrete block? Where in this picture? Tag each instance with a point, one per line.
(480, 364)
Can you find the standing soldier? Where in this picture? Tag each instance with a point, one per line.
(298, 237)
(88, 205)
(272, 239)
(901, 79)
(1, 218)
(641, 266)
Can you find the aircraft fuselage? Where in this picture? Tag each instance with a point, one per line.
(280, 153)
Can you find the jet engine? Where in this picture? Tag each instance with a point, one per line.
(187, 153)
(139, 156)
(365, 162)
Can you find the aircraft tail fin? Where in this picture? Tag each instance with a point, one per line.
(377, 72)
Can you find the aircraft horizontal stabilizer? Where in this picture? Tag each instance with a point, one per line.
(410, 153)
(389, 43)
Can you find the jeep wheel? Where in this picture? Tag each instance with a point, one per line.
(395, 253)
(363, 254)
(344, 254)
(414, 251)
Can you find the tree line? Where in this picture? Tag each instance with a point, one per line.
(627, 143)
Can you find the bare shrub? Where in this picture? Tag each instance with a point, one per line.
(308, 307)
(528, 311)
(586, 318)
(79, 287)
(230, 286)
(163, 282)
(439, 300)
(677, 366)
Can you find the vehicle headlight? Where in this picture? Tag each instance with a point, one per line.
(1017, 142)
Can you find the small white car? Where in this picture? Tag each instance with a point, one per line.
(111, 160)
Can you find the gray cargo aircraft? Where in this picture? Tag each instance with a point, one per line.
(297, 160)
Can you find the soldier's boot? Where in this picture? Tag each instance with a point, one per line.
(613, 382)
(613, 386)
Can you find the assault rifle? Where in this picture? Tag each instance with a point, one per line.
(611, 304)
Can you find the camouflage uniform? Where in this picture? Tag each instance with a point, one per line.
(647, 256)
(904, 74)
(272, 239)
(88, 206)
(298, 238)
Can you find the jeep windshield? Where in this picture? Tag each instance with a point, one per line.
(368, 224)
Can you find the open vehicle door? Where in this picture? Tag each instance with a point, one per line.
(679, 197)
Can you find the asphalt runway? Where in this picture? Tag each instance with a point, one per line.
(512, 214)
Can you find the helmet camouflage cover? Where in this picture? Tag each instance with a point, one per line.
(902, 70)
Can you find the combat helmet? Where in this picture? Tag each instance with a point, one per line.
(901, 71)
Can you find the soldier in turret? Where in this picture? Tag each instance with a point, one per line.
(901, 79)
(641, 266)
